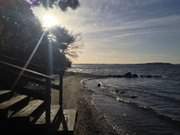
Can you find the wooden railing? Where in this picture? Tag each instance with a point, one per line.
(34, 76)
(34, 73)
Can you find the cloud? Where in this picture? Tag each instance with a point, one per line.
(112, 24)
(148, 26)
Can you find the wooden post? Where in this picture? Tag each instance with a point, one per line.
(64, 124)
(49, 72)
(61, 91)
(48, 101)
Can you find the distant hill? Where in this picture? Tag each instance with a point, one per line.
(158, 63)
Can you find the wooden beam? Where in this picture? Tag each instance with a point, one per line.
(61, 91)
(48, 101)
(26, 70)
(64, 123)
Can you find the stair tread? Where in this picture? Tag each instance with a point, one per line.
(54, 111)
(5, 95)
(2, 92)
(70, 117)
(29, 108)
(12, 101)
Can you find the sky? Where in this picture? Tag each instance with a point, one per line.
(124, 31)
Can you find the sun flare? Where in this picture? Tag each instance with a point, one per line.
(49, 21)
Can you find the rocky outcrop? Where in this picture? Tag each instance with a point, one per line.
(131, 75)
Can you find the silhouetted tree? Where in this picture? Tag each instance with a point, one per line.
(65, 42)
(17, 27)
(63, 4)
(20, 31)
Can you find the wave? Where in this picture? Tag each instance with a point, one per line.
(167, 98)
(129, 99)
(147, 108)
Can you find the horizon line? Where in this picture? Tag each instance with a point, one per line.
(125, 63)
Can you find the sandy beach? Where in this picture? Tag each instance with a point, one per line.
(72, 91)
(75, 97)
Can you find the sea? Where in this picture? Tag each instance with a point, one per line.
(136, 106)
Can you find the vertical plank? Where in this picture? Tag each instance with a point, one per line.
(61, 91)
(49, 72)
(48, 101)
(64, 124)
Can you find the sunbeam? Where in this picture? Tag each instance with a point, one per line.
(49, 21)
(29, 60)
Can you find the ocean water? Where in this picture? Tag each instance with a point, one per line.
(137, 105)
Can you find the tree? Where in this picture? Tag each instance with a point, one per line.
(20, 31)
(63, 4)
(17, 29)
(65, 42)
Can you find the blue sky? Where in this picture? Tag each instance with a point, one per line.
(126, 31)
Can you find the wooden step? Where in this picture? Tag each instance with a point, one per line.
(5, 94)
(2, 92)
(10, 106)
(27, 112)
(11, 102)
(54, 112)
(70, 117)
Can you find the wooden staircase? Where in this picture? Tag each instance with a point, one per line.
(17, 111)
(23, 113)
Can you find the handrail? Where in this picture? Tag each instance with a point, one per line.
(13, 60)
(27, 70)
(48, 85)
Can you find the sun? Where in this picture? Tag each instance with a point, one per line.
(49, 21)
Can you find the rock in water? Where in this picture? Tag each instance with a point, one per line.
(128, 75)
(99, 84)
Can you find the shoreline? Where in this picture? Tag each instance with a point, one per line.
(90, 121)
(98, 114)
